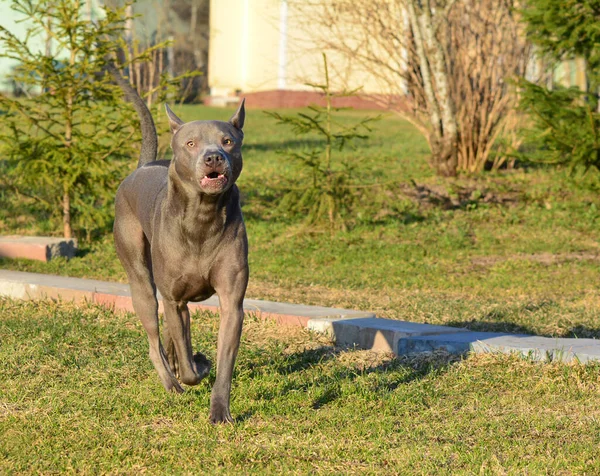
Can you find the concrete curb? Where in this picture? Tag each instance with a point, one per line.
(375, 333)
(406, 338)
(344, 326)
(21, 285)
(40, 248)
(531, 347)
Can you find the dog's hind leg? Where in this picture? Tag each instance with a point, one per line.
(190, 369)
(132, 248)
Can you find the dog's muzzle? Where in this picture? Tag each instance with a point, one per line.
(214, 172)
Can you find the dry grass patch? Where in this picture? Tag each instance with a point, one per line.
(79, 394)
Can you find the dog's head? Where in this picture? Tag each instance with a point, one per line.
(208, 154)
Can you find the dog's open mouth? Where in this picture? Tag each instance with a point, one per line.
(214, 180)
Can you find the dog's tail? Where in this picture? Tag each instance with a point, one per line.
(149, 137)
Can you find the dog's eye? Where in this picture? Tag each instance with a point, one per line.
(190, 143)
(227, 141)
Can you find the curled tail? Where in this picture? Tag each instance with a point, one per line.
(149, 137)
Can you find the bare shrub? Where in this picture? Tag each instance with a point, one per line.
(442, 65)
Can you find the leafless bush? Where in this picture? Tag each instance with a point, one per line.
(442, 65)
(485, 48)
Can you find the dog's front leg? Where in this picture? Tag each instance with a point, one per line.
(230, 330)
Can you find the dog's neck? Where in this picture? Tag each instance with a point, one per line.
(198, 214)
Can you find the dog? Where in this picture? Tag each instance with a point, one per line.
(179, 229)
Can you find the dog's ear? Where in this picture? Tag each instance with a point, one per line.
(238, 118)
(174, 122)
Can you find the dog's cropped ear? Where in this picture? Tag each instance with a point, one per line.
(174, 122)
(238, 118)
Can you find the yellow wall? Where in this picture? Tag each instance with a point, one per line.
(244, 52)
(244, 45)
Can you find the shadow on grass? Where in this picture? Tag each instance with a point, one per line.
(327, 396)
(414, 367)
(83, 251)
(262, 204)
(487, 326)
(457, 197)
(579, 332)
(243, 417)
(503, 320)
(584, 332)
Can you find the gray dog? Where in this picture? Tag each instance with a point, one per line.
(179, 228)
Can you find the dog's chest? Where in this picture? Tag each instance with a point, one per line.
(187, 279)
(194, 256)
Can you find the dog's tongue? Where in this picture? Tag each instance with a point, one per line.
(216, 182)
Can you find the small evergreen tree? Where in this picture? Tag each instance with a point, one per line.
(566, 126)
(565, 120)
(71, 138)
(564, 29)
(324, 190)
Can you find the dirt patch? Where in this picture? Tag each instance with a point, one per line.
(295, 338)
(8, 409)
(542, 258)
(365, 359)
(459, 197)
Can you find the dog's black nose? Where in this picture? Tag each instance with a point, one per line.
(213, 159)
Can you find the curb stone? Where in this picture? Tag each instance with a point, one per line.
(40, 248)
(374, 333)
(344, 326)
(532, 347)
(21, 285)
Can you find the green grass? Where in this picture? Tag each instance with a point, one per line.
(513, 250)
(78, 394)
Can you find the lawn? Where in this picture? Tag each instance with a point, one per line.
(79, 394)
(511, 250)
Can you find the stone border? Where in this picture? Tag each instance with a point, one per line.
(375, 333)
(344, 326)
(21, 285)
(40, 248)
(532, 347)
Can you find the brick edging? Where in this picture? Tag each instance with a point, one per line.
(116, 296)
(345, 327)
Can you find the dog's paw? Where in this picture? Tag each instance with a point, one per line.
(174, 387)
(196, 371)
(203, 365)
(220, 414)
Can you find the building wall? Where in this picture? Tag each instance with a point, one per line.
(260, 46)
(261, 49)
(243, 46)
(13, 22)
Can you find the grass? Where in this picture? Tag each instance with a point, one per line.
(79, 394)
(514, 250)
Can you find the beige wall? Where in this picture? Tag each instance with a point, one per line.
(305, 61)
(246, 54)
(244, 45)
(245, 51)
